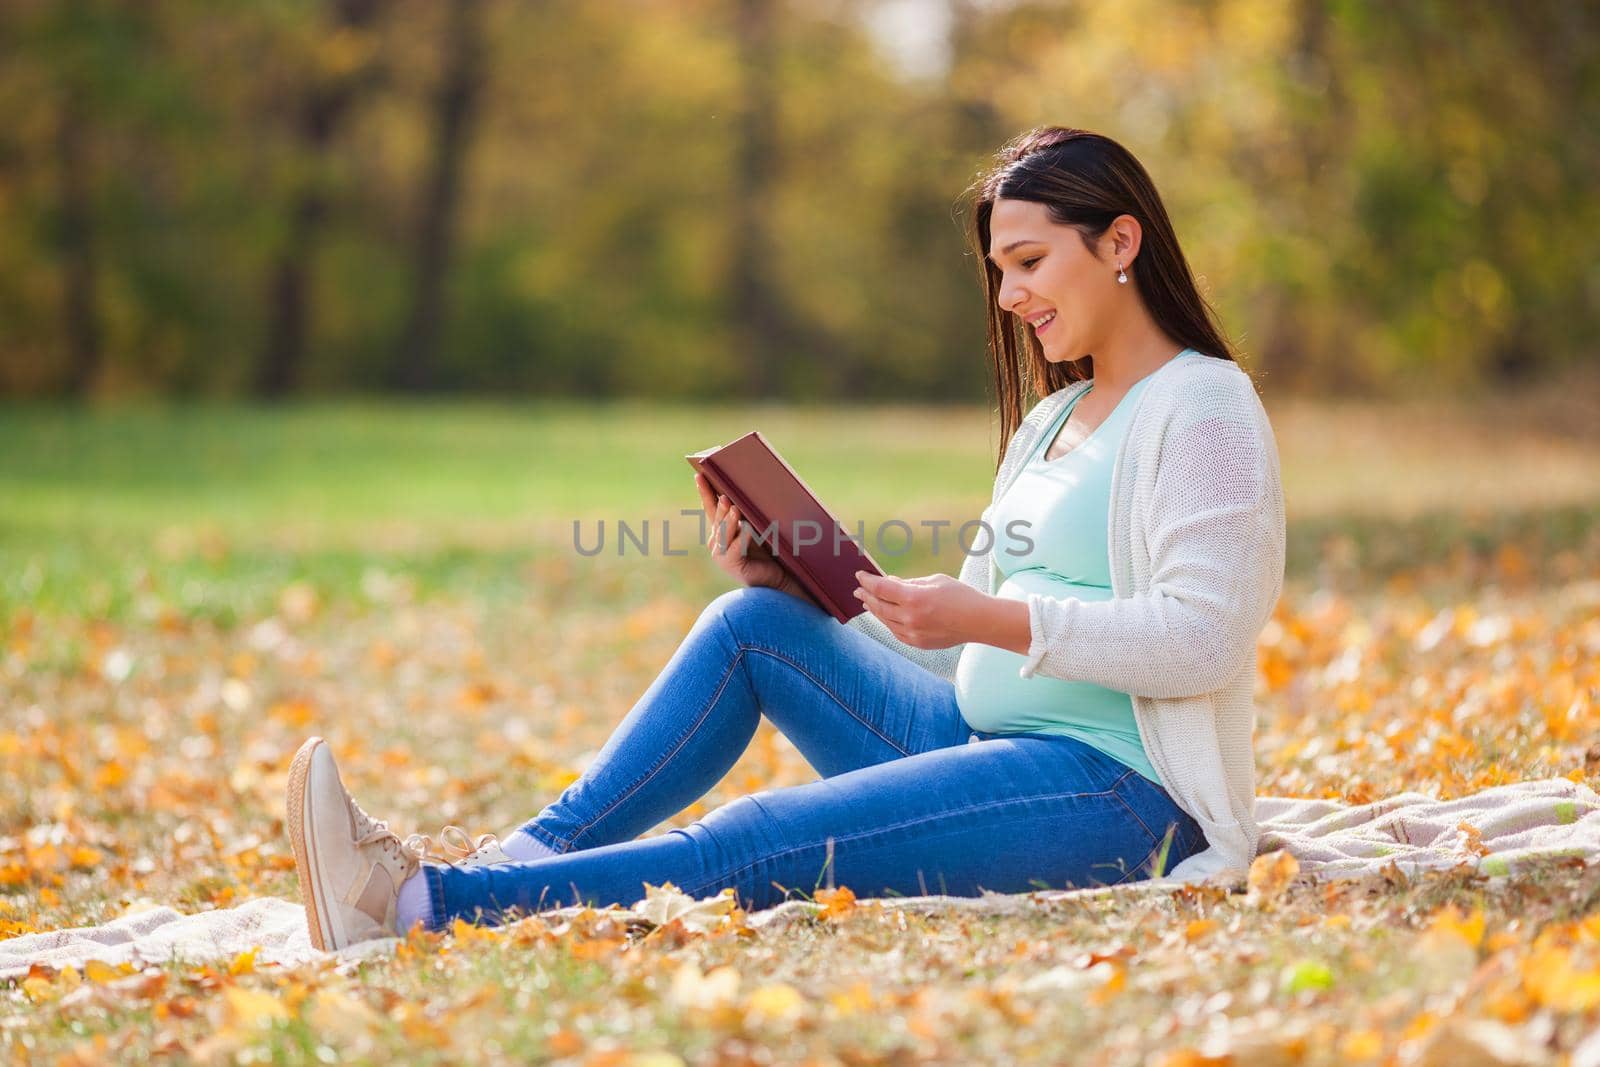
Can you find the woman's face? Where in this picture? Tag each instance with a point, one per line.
(1051, 280)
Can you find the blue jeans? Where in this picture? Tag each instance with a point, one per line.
(905, 805)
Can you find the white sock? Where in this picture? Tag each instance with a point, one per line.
(415, 903)
(523, 846)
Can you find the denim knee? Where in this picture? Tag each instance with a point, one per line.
(744, 827)
(758, 604)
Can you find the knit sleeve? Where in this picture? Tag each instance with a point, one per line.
(1213, 521)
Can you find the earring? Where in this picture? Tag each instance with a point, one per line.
(1122, 277)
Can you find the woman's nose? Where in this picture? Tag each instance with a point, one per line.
(1011, 296)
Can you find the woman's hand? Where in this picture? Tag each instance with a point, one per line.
(733, 544)
(932, 612)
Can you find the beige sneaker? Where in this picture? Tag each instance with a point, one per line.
(459, 849)
(350, 865)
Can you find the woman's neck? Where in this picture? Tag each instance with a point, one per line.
(1123, 360)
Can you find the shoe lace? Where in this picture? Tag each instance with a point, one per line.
(376, 831)
(453, 846)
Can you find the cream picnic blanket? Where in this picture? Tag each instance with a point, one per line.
(1496, 832)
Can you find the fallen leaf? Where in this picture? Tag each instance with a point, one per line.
(1270, 876)
(775, 1003)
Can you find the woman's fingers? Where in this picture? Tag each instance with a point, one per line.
(708, 501)
(724, 525)
(881, 588)
(886, 612)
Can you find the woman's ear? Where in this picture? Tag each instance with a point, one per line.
(1125, 235)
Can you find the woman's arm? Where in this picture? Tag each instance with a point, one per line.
(1004, 624)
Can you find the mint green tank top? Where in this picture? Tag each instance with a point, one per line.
(1061, 507)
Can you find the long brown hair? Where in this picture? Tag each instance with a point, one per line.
(1085, 180)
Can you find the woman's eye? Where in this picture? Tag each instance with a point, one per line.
(1028, 263)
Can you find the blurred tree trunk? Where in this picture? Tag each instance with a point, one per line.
(1320, 142)
(79, 306)
(455, 108)
(322, 111)
(760, 325)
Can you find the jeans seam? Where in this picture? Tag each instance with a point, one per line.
(544, 837)
(1136, 818)
(820, 684)
(741, 648)
(435, 882)
(782, 853)
(666, 758)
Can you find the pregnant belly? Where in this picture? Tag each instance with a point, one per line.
(995, 699)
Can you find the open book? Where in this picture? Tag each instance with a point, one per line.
(785, 515)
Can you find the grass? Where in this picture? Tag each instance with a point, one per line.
(185, 593)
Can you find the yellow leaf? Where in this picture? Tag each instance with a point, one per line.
(1551, 979)
(1449, 921)
(856, 1000)
(110, 775)
(251, 1007)
(100, 972)
(243, 963)
(83, 856)
(1361, 1045)
(1198, 929)
(693, 990)
(39, 990)
(778, 1002)
(467, 933)
(333, 1012)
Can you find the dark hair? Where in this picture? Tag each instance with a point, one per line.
(1085, 180)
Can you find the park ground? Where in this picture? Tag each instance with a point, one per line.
(186, 593)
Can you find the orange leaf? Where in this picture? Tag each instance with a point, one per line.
(836, 903)
(83, 856)
(1270, 875)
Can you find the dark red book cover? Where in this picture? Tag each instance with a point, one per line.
(803, 535)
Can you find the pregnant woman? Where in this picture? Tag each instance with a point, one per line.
(1074, 710)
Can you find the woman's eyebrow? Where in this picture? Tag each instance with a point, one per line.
(1014, 244)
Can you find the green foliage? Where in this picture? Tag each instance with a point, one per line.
(1369, 195)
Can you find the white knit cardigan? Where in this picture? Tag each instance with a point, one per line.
(1196, 538)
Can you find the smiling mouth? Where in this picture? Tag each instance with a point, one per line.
(1043, 324)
